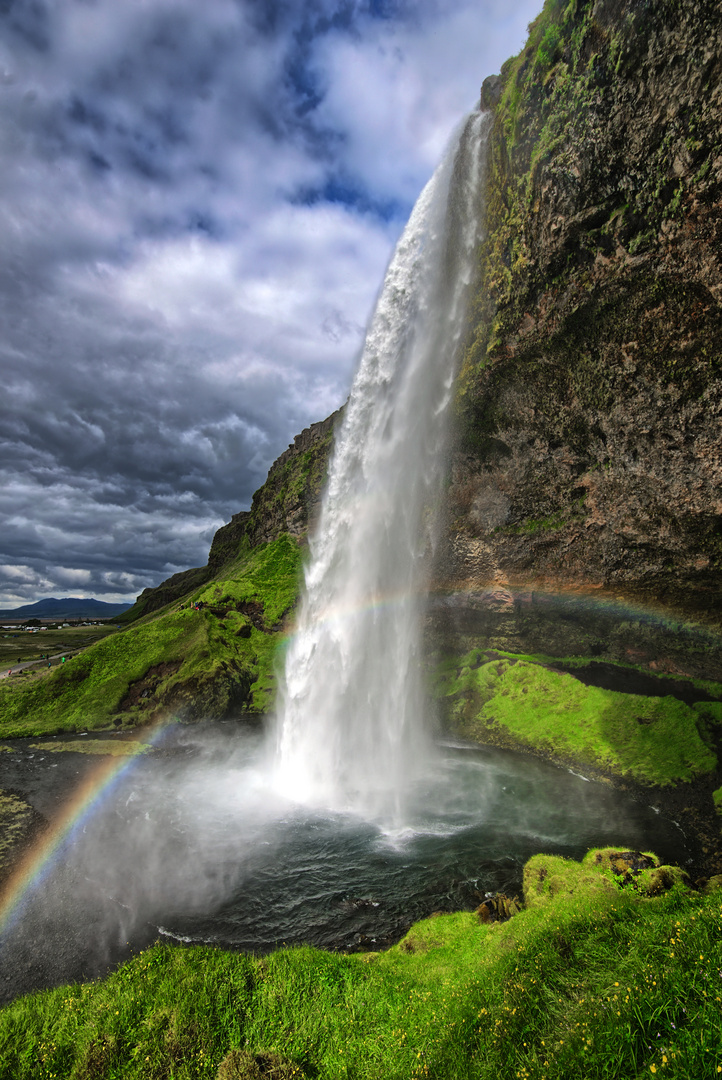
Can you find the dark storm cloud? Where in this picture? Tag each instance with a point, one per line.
(196, 206)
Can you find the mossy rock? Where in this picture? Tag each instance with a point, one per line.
(497, 908)
(639, 869)
(620, 861)
(266, 1065)
(547, 876)
(661, 879)
(712, 884)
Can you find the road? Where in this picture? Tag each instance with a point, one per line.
(34, 663)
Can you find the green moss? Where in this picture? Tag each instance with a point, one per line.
(653, 740)
(710, 711)
(269, 575)
(106, 747)
(16, 819)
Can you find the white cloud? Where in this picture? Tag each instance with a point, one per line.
(401, 89)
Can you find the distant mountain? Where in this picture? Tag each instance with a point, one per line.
(71, 607)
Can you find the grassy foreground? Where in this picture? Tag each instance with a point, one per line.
(590, 980)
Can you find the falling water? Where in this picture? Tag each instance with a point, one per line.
(351, 726)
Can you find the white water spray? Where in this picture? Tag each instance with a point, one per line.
(351, 725)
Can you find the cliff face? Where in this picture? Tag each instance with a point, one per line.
(286, 503)
(589, 402)
(290, 499)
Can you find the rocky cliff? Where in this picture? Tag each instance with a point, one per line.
(588, 448)
(286, 503)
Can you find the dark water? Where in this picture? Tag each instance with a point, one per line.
(191, 844)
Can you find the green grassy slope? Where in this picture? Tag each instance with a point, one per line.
(175, 662)
(590, 980)
(512, 701)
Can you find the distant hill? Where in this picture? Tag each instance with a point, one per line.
(71, 607)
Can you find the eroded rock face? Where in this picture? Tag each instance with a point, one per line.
(589, 444)
(288, 502)
(290, 498)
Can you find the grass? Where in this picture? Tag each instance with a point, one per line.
(106, 747)
(654, 740)
(588, 981)
(708, 686)
(177, 661)
(16, 818)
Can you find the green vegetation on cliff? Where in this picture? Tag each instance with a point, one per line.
(556, 148)
(511, 701)
(175, 662)
(607, 972)
(589, 395)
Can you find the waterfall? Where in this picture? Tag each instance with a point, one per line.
(351, 726)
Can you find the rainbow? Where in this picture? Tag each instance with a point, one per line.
(38, 862)
(36, 865)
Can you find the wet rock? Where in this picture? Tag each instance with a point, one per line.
(19, 824)
(497, 908)
(363, 941)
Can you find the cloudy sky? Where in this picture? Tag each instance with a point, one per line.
(197, 204)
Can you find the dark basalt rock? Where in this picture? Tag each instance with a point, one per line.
(590, 396)
(491, 90)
